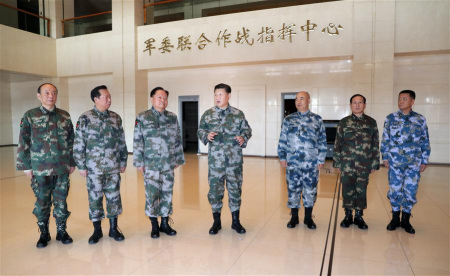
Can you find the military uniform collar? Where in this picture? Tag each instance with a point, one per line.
(227, 110)
(157, 113)
(306, 113)
(104, 113)
(46, 111)
(362, 117)
(411, 113)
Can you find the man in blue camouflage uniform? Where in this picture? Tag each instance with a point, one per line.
(101, 155)
(405, 150)
(46, 157)
(157, 151)
(302, 149)
(356, 156)
(226, 131)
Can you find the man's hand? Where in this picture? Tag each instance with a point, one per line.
(338, 170)
(176, 166)
(319, 166)
(211, 136)
(83, 173)
(372, 171)
(240, 140)
(423, 167)
(29, 173)
(72, 169)
(283, 163)
(386, 163)
(122, 170)
(141, 169)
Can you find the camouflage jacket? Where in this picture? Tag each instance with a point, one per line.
(157, 141)
(405, 139)
(227, 123)
(357, 144)
(100, 146)
(45, 142)
(302, 140)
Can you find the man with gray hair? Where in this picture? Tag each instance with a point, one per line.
(302, 149)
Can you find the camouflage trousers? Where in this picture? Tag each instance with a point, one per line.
(158, 192)
(108, 185)
(302, 182)
(354, 189)
(51, 189)
(216, 179)
(403, 184)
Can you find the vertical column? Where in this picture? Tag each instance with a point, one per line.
(363, 31)
(384, 96)
(6, 136)
(130, 85)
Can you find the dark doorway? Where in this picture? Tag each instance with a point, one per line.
(189, 126)
(289, 106)
(28, 22)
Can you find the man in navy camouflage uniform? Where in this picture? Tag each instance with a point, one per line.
(405, 150)
(101, 155)
(356, 156)
(45, 155)
(157, 151)
(226, 131)
(302, 149)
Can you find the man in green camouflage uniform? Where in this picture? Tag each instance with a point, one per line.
(227, 132)
(101, 155)
(356, 156)
(45, 155)
(157, 151)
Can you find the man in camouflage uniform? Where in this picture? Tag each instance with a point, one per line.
(302, 149)
(227, 132)
(45, 155)
(356, 155)
(157, 152)
(405, 150)
(101, 155)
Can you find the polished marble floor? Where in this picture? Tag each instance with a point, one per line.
(267, 248)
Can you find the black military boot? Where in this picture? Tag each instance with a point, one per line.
(98, 234)
(45, 234)
(405, 223)
(294, 218)
(348, 219)
(155, 228)
(395, 222)
(61, 234)
(114, 231)
(359, 220)
(217, 225)
(165, 227)
(308, 218)
(236, 224)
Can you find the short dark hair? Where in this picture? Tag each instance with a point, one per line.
(45, 83)
(152, 93)
(95, 93)
(411, 93)
(357, 95)
(223, 86)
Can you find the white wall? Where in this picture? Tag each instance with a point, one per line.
(25, 52)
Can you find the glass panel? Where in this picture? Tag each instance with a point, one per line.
(187, 9)
(23, 21)
(88, 25)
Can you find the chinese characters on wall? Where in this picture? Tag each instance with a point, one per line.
(243, 36)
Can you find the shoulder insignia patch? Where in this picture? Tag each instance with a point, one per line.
(21, 122)
(136, 123)
(78, 125)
